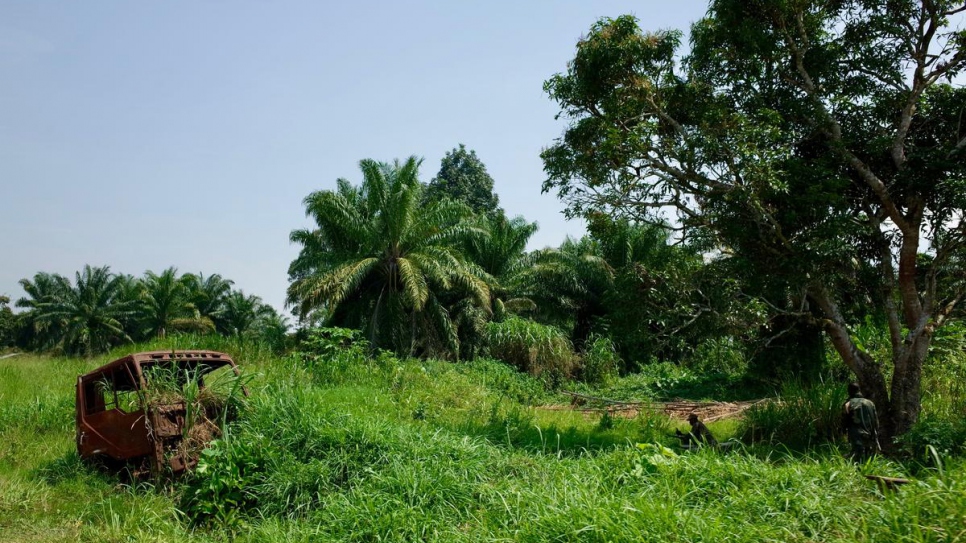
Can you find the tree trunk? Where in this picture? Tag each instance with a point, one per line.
(867, 370)
(906, 384)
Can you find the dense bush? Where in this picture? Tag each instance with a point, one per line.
(942, 424)
(600, 361)
(801, 416)
(506, 380)
(540, 350)
(718, 356)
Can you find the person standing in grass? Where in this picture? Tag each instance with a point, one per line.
(700, 432)
(860, 422)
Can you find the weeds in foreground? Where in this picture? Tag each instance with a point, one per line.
(343, 459)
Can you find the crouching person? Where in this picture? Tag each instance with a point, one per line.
(699, 435)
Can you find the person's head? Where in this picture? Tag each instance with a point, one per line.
(854, 390)
(693, 418)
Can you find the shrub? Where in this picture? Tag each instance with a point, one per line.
(722, 356)
(947, 437)
(540, 350)
(221, 486)
(497, 376)
(600, 362)
(338, 355)
(802, 416)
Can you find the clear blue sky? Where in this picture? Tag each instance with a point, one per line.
(142, 135)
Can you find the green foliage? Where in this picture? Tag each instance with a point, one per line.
(810, 145)
(569, 285)
(540, 350)
(219, 490)
(348, 462)
(718, 356)
(942, 425)
(335, 355)
(463, 178)
(7, 323)
(380, 261)
(240, 314)
(505, 380)
(667, 381)
(665, 300)
(600, 362)
(102, 310)
(801, 416)
(83, 318)
(207, 293)
(165, 299)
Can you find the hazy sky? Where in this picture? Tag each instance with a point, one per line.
(142, 135)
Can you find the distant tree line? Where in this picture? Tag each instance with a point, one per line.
(98, 310)
(428, 269)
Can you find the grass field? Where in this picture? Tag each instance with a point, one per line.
(380, 449)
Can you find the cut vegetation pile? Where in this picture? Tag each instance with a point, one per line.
(707, 411)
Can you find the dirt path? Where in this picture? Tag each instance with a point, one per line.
(678, 409)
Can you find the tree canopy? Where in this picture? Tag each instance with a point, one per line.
(819, 145)
(463, 177)
(378, 260)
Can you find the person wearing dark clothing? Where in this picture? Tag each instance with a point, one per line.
(700, 432)
(861, 424)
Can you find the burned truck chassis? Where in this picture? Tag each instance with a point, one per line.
(119, 421)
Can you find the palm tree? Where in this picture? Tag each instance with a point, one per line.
(164, 299)
(570, 284)
(88, 314)
(377, 260)
(131, 288)
(40, 334)
(502, 255)
(240, 313)
(208, 294)
(272, 328)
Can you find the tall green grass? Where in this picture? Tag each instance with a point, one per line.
(801, 416)
(409, 450)
(540, 350)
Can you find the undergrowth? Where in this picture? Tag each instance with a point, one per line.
(355, 446)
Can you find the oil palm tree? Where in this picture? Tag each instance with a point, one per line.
(208, 293)
(239, 314)
(164, 299)
(569, 286)
(378, 260)
(88, 314)
(40, 334)
(502, 255)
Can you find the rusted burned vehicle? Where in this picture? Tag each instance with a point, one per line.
(155, 410)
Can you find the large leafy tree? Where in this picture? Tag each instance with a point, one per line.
(814, 143)
(463, 177)
(379, 260)
(88, 313)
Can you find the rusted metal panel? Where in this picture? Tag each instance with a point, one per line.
(113, 419)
